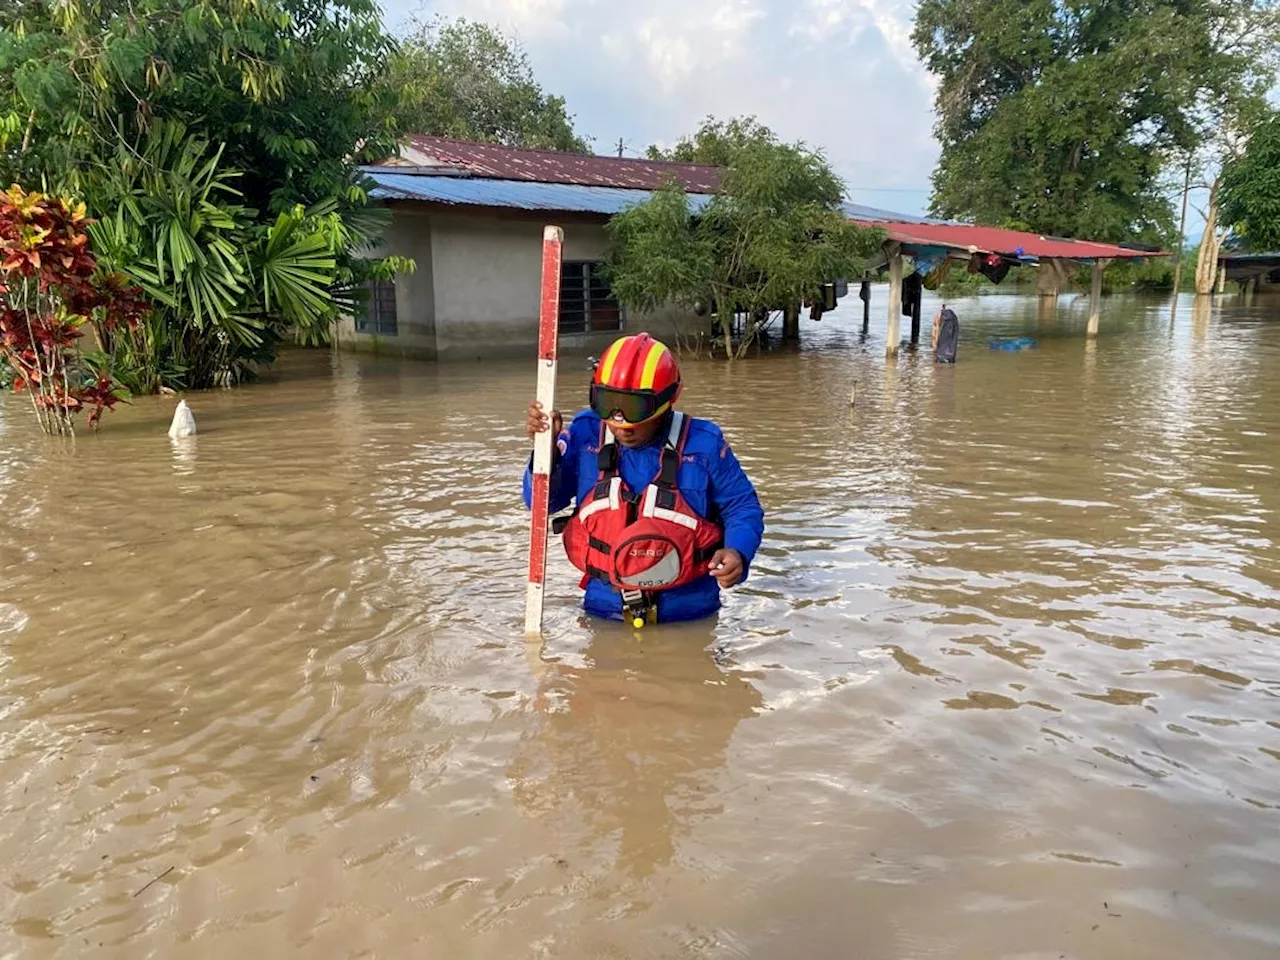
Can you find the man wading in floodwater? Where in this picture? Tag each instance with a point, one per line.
(664, 516)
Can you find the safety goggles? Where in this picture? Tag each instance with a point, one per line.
(631, 406)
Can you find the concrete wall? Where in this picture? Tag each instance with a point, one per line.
(489, 278)
(475, 293)
(408, 236)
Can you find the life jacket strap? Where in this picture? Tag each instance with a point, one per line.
(672, 450)
(607, 458)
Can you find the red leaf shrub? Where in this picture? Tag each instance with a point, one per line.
(50, 289)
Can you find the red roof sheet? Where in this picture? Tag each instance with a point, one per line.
(553, 166)
(995, 240)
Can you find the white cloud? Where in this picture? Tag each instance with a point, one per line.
(530, 19)
(682, 40)
(819, 19)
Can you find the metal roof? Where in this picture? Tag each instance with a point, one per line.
(1012, 243)
(463, 187)
(1243, 266)
(557, 166)
(514, 194)
(435, 185)
(856, 211)
(1235, 257)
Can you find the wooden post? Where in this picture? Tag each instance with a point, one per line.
(1182, 239)
(866, 306)
(1095, 298)
(1049, 278)
(791, 323)
(1222, 277)
(548, 335)
(915, 321)
(893, 336)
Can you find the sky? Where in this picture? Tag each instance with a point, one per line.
(839, 75)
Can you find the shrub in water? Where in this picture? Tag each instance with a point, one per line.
(50, 289)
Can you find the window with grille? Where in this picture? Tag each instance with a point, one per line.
(379, 317)
(587, 304)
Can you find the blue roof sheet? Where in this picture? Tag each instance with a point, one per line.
(517, 194)
(558, 197)
(856, 211)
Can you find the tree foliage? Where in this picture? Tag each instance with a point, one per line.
(287, 85)
(467, 80)
(716, 142)
(1250, 194)
(216, 142)
(226, 284)
(771, 237)
(1059, 117)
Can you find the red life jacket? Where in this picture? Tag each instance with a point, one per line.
(646, 541)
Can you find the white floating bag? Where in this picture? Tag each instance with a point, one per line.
(184, 422)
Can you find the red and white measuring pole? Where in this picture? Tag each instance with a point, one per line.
(548, 331)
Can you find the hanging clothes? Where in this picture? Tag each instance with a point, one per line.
(928, 259)
(912, 288)
(936, 277)
(995, 268)
(991, 265)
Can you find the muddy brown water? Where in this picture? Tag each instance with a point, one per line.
(1004, 683)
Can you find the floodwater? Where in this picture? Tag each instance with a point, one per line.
(1004, 683)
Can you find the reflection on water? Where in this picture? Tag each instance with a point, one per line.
(1002, 684)
(631, 735)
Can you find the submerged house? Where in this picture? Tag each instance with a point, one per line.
(471, 217)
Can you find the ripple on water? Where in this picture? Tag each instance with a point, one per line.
(1001, 683)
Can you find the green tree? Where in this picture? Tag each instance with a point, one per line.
(226, 287)
(467, 80)
(1251, 188)
(277, 103)
(1060, 117)
(770, 238)
(717, 142)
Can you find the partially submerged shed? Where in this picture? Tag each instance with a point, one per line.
(936, 246)
(1250, 270)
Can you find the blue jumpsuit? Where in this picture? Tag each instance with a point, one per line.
(711, 480)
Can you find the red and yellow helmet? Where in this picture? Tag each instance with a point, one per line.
(637, 380)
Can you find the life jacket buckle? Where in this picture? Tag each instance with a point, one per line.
(637, 607)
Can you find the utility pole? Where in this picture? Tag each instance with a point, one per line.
(1182, 239)
(620, 146)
